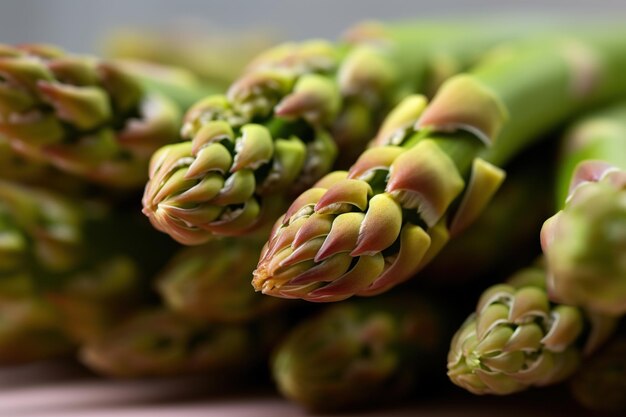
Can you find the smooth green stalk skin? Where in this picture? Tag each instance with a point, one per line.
(600, 384)
(517, 339)
(585, 242)
(345, 236)
(211, 282)
(83, 116)
(159, 343)
(359, 353)
(598, 136)
(279, 127)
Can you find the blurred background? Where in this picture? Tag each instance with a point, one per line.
(80, 25)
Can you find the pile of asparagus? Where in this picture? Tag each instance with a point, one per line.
(326, 170)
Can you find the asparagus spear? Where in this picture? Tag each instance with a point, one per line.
(32, 239)
(517, 338)
(600, 384)
(585, 242)
(30, 330)
(278, 128)
(81, 115)
(41, 230)
(157, 343)
(359, 353)
(364, 231)
(212, 282)
(50, 262)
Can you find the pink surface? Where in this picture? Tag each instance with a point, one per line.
(60, 389)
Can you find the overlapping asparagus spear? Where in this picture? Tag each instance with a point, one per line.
(585, 242)
(157, 342)
(278, 128)
(517, 338)
(363, 231)
(360, 353)
(30, 330)
(600, 384)
(39, 240)
(51, 277)
(211, 282)
(81, 115)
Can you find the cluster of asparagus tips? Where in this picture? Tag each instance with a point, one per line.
(81, 115)
(269, 135)
(40, 237)
(363, 231)
(279, 127)
(517, 338)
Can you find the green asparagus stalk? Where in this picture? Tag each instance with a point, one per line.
(585, 242)
(359, 353)
(81, 115)
(517, 338)
(159, 343)
(279, 127)
(364, 231)
(600, 384)
(212, 282)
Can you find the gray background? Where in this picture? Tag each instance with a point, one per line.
(78, 25)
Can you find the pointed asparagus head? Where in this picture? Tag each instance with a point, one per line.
(584, 243)
(364, 231)
(517, 338)
(358, 353)
(81, 115)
